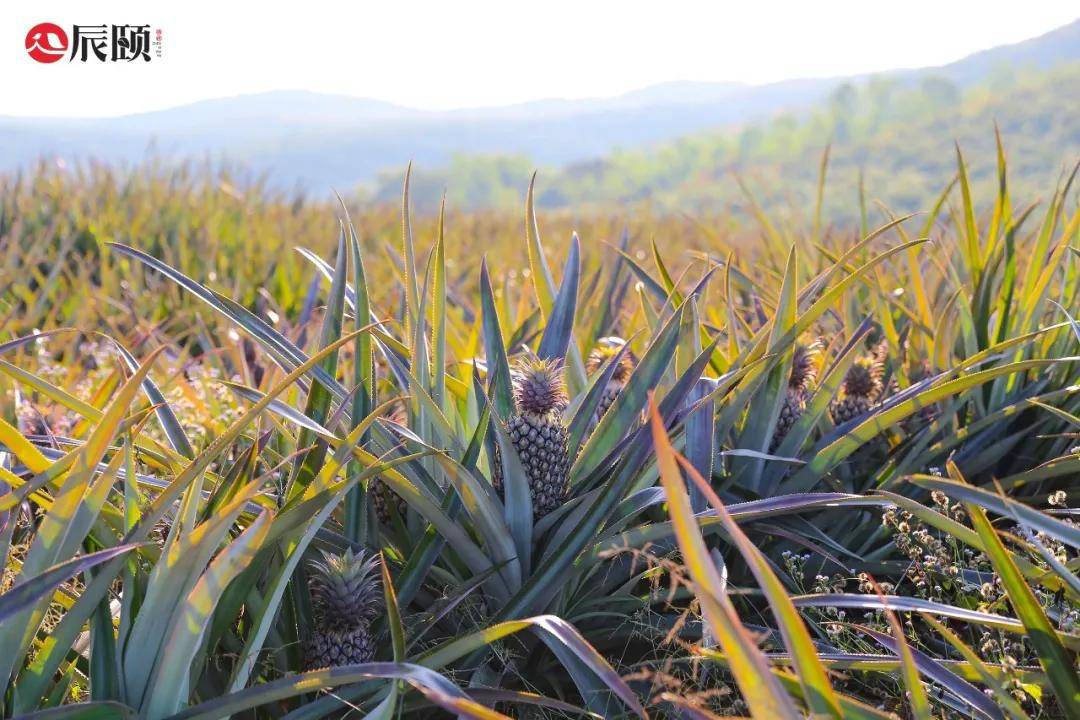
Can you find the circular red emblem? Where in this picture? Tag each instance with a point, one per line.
(46, 42)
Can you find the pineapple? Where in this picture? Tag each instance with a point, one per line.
(605, 349)
(861, 388)
(802, 378)
(537, 431)
(345, 599)
(387, 503)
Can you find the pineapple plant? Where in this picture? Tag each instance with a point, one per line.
(166, 666)
(605, 349)
(800, 381)
(345, 599)
(538, 434)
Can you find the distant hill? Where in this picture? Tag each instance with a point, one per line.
(898, 143)
(893, 137)
(1038, 53)
(321, 141)
(318, 142)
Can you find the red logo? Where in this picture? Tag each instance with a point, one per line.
(46, 42)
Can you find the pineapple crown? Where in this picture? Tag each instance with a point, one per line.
(863, 378)
(345, 590)
(804, 366)
(880, 352)
(606, 348)
(539, 386)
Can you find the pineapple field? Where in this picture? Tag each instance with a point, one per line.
(263, 455)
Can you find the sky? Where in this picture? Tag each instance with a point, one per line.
(470, 53)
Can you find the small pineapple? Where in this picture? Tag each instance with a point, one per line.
(537, 431)
(605, 349)
(388, 504)
(861, 388)
(802, 378)
(345, 599)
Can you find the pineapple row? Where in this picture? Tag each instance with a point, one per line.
(538, 431)
(862, 388)
(344, 588)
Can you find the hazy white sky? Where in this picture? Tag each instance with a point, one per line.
(462, 53)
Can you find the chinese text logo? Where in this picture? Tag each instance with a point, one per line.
(48, 42)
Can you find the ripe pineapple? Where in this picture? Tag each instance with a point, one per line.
(537, 431)
(605, 349)
(861, 388)
(345, 599)
(802, 378)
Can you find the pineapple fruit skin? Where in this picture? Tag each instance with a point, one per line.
(611, 393)
(801, 380)
(333, 649)
(388, 504)
(542, 444)
(386, 501)
(869, 456)
(793, 408)
(863, 388)
(848, 408)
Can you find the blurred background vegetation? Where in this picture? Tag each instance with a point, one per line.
(893, 138)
